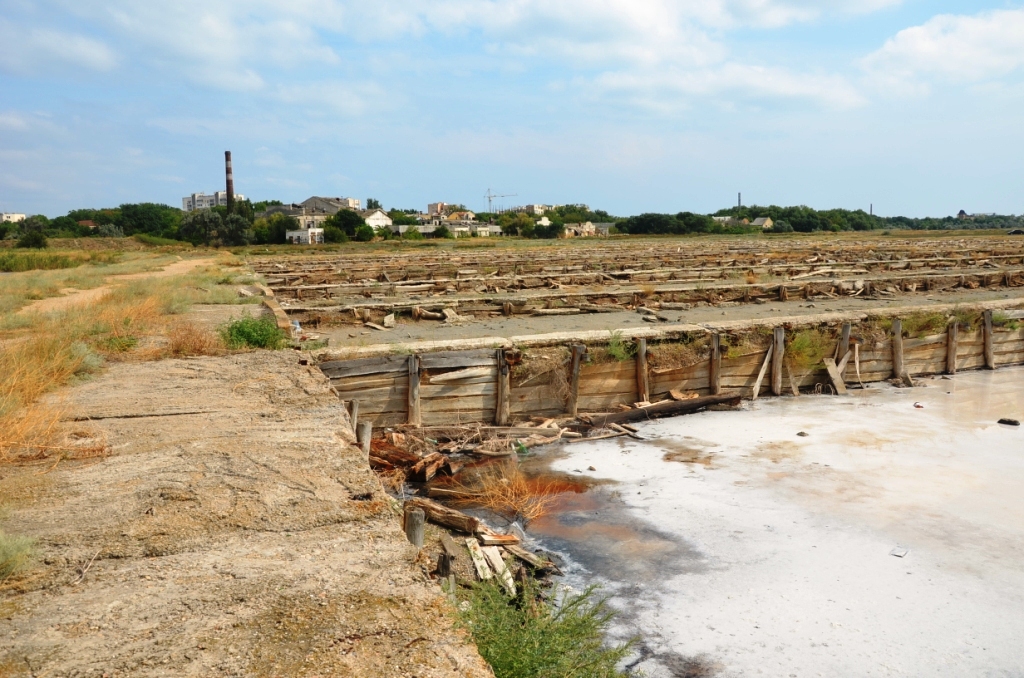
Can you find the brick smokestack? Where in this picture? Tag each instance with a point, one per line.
(231, 182)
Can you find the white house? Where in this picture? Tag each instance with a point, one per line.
(484, 230)
(377, 218)
(460, 231)
(11, 218)
(306, 236)
(201, 201)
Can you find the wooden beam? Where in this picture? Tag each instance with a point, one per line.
(669, 408)
(764, 369)
(844, 346)
(990, 353)
(778, 354)
(833, 374)
(897, 348)
(482, 569)
(503, 406)
(643, 382)
(442, 515)
(951, 342)
(715, 368)
(414, 418)
(578, 351)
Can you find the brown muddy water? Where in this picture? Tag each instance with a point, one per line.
(887, 541)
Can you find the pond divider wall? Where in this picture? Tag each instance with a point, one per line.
(496, 380)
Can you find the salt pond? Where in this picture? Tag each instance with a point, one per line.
(736, 547)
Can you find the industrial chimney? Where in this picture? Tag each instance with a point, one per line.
(231, 182)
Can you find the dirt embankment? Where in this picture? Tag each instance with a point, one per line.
(233, 530)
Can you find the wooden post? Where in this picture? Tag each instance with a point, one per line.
(643, 384)
(414, 525)
(990, 352)
(578, 351)
(844, 343)
(354, 414)
(778, 351)
(365, 436)
(897, 348)
(715, 368)
(414, 418)
(501, 413)
(951, 333)
(783, 293)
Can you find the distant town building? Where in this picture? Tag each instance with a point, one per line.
(462, 216)
(377, 218)
(460, 231)
(305, 236)
(437, 208)
(202, 201)
(584, 230)
(305, 218)
(543, 221)
(11, 218)
(603, 229)
(764, 223)
(484, 230)
(535, 210)
(962, 215)
(732, 221)
(331, 205)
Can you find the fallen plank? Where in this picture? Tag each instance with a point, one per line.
(665, 409)
(496, 562)
(835, 375)
(532, 559)
(494, 539)
(442, 515)
(477, 555)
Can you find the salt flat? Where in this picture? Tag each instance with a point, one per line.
(735, 547)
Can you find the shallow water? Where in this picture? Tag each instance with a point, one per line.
(735, 547)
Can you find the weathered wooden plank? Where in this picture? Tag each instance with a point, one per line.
(835, 376)
(897, 348)
(575, 364)
(715, 364)
(604, 402)
(486, 373)
(494, 559)
(366, 383)
(844, 343)
(612, 368)
(643, 383)
(433, 392)
(463, 403)
(502, 404)
(778, 355)
(760, 374)
(666, 409)
(442, 515)
(456, 417)
(929, 341)
(414, 391)
(446, 360)
(483, 570)
(990, 357)
(951, 348)
(341, 369)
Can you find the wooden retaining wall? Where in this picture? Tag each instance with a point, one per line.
(473, 386)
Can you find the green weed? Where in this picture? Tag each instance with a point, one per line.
(253, 333)
(619, 348)
(15, 554)
(807, 349)
(924, 324)
(563, 638)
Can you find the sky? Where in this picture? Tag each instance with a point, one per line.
(913, 106)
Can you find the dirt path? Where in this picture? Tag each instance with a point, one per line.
(235, 530)
(80, 297)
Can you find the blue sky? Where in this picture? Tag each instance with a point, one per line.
(626, 105)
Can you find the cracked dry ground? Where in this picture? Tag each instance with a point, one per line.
(233, 530)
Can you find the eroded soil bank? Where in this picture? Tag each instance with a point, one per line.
(736, 547)
(231, 528)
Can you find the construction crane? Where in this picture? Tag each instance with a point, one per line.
(491, 196)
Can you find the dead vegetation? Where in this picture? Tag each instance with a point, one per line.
(187, 339)
(503, 488)
(676, 355)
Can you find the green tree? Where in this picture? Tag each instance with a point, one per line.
(412, 233)
(200, 227)
(346, 220)
(442, 231)
(233, 231)
(273, 230)
(402, 218)
(34, 238)
(262, 205)
(334, 234)
(364, 233)
(373, 204)
(148, 217)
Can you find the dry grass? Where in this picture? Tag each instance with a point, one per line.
(748, 342)
(504, 489)
(548, 366)
(667, 356)
(189, 339)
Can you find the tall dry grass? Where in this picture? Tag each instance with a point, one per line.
(504, 489)
(189, 339)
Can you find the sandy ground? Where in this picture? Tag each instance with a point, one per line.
(233, 530)
(427, 330)
(736, 547)
(72, 297)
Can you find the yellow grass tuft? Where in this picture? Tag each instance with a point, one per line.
(504, 489)
(189, 339)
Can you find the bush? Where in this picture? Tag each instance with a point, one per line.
(412, 233)
(541, 639)
(253, 333)
(364, 233)
(442, 231)
(15, 553)
(147, 239)
(334, 234)
(35, 239)
(190, 339)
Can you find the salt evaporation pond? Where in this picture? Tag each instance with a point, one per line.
(734, 547)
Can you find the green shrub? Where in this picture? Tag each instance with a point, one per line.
(148, 239)
(15, 553)
(16, 262)
(559, 639)
(1005, 321)
(364, 233)
(619, 348)
(924, 324)
(808, 348)
(412, 233)
(33, 239)
(253, 333)
(334, 234)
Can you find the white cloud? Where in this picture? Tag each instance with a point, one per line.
(952, 49)
(33, 51)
